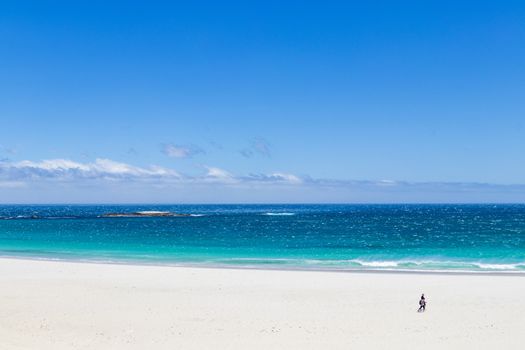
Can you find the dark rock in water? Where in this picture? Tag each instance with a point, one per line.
(142, 214)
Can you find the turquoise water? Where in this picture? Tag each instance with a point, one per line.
(343, 237)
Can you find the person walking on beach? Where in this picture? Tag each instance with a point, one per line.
(422, 303)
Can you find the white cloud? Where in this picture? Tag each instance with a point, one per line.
(180, 151)
(275, 178)
(287, 177)
(64, 169)
(51, 165)
(387, 183)
(218, 173)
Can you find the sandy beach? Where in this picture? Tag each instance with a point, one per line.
(64, 305)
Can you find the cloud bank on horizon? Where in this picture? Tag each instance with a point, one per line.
(64, 170)
(109, 181)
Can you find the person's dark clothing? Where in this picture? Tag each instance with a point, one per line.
(422, 304)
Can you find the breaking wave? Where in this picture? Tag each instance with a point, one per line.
(386, 265)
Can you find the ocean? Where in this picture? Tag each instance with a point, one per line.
(473, 238)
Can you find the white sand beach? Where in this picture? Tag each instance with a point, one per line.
(62, 305)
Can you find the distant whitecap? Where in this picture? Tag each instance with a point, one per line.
(279, 214)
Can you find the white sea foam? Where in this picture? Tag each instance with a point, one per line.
(152, 212)
(279, 214)
(447, 265)
(499, 266)
(376, 263)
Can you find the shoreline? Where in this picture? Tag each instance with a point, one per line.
(267, 268)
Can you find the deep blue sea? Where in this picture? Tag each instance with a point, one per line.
(343, 237)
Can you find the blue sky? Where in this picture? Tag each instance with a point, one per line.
(270, 101)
